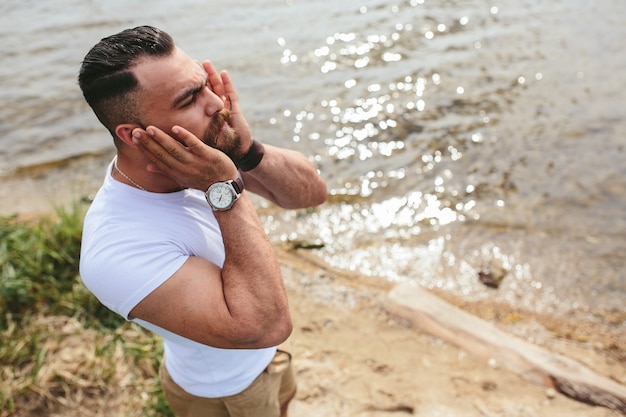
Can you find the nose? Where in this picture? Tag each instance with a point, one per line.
(213, 103)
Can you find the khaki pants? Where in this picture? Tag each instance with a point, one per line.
(263, 398)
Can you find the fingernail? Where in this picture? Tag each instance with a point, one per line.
(135, 137)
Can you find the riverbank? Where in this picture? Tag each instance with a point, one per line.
(354, 358)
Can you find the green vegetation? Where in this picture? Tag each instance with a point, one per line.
(60, 349)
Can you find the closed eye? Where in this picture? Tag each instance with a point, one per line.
(188, 97)
(192, 99)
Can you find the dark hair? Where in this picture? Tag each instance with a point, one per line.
(106, 78)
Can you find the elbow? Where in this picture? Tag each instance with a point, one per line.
(268, 334)
(316, 194)
(278, 332)
(321, 193)
(281, 333)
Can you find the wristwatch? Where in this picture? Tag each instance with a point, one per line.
(222, 195)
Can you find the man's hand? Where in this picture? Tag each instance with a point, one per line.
(186, 159)
(222, 86)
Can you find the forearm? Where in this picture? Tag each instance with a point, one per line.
(253, 287)
(286, 178)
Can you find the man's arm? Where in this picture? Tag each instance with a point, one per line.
(287, 178)
(241, 305)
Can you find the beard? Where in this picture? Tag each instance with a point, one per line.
(226, 140)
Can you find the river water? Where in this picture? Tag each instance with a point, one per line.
(455, 136)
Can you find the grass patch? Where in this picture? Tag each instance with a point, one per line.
(61, 351)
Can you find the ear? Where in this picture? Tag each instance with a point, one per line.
(125, 133)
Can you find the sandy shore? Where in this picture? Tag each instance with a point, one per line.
(353, 358)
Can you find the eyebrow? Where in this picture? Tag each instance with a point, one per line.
(188, 92)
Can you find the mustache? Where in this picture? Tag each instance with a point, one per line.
(215, 128)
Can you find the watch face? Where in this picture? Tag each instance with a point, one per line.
(221, 196)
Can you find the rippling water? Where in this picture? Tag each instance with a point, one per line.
(455, 136)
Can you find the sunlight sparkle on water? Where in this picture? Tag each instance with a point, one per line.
(391, 57)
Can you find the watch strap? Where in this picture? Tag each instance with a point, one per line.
(237, 184)
(252, 158)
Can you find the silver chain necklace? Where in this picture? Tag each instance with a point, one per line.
(126, 176)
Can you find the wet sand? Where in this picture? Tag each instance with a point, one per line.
(353, 358)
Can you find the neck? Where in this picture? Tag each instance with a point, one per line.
(152, 186)
(127, 180)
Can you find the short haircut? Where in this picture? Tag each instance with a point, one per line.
(106, 78)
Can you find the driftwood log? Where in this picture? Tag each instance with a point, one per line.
(478, 337)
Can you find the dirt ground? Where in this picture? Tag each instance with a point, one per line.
(353, 358)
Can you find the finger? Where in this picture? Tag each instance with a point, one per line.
(158, 147)
(215, 81)
(192, 143)
(229, 90)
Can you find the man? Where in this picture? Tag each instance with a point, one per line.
(172, 241)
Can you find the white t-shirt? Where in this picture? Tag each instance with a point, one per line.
(133, 241)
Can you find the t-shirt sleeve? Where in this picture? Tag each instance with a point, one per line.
(124, 271)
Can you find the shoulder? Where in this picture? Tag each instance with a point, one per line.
(131, 248)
